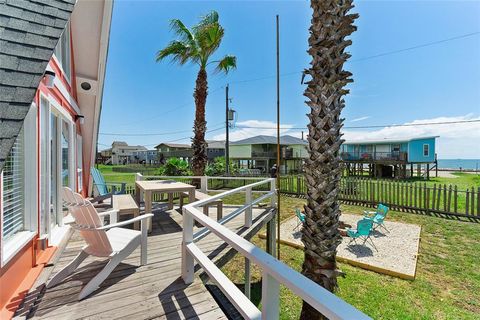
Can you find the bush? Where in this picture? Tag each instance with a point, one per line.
(217, 168)
(175, 167)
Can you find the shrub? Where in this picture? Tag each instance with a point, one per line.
(217, 167)
(175, 167)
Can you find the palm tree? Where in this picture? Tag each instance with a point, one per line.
(330, 25)
(197, 46)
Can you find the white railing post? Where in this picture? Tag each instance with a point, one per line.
(139, 177)
(187, 259)
(203, 184)
(273, 201)
(248, 211)
(270, 297)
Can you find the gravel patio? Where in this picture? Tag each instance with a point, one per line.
(397, 249)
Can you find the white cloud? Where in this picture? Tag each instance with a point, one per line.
(360, 119)
(457, 140)
(255, 128)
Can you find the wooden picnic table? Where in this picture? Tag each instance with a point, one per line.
(149, 187)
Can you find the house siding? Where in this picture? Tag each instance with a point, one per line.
(22, 269)
(415, 150)
(240, 151)
(299, 151)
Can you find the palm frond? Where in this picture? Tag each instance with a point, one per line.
(179, 52)
(208, 19)
(182, 31)
(209, 39)
(228, 63)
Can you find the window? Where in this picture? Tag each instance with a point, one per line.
(13, 200)
(18, 205)
(62, 52)
(426, 151)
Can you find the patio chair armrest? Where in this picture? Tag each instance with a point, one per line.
(113, 213)
(130, 221)
(369, 213)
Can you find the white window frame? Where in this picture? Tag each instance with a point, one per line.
(79, 162)
(428, 150)
(10, 247)
(60, 60)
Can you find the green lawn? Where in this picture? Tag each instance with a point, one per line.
(461, 180)
(447, 285)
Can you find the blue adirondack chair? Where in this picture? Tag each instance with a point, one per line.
(102, 186)
(300, 218)
(378, 217)
(363, 231)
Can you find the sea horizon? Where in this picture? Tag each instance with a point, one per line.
(458, 163)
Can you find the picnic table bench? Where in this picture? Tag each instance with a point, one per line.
(125, 204)
(202, 196)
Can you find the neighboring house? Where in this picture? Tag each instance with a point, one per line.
(122, 153)
(390, 157)
(260, 152)
(184, 151)
(105, 156)
(145, 157)
(49, 116)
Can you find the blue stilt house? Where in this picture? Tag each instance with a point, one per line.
(390, 158)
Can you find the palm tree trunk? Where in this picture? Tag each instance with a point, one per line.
(325, 91)
(199, 146)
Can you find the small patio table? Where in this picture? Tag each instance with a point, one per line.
(148, 188)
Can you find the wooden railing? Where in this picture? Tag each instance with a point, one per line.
(377, 156)
(274, 272)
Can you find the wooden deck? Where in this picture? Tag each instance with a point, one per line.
(155, 290)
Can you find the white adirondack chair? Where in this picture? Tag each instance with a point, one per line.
(107, 241)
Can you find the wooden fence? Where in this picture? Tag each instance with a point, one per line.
(418, 197)
(407, 196)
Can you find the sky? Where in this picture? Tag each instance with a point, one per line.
(412, 62)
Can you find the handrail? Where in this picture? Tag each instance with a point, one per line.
(274, 271)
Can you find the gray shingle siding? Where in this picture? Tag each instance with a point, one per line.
(29, 32)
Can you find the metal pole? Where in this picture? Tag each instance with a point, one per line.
(227, 158)
(278, 141)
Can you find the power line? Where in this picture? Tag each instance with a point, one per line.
(387, 53)
(167, 111)
(416, 47)
(149, 134)
(175, 140)
(373, 126)
(189, 137)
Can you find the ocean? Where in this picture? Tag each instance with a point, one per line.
(472, 164)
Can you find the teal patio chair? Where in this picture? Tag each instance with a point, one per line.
(300, 218)
(363, 231)
(102, 186)
(378, 217)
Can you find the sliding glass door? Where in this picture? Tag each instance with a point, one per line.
(56, 164)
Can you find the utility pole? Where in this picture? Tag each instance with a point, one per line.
(278, 141)
(227, 158)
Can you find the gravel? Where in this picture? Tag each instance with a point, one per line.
(395, 254)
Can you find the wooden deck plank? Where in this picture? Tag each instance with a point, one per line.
(155, 290)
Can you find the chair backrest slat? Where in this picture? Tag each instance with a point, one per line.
(99, 181)
(87, 218)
